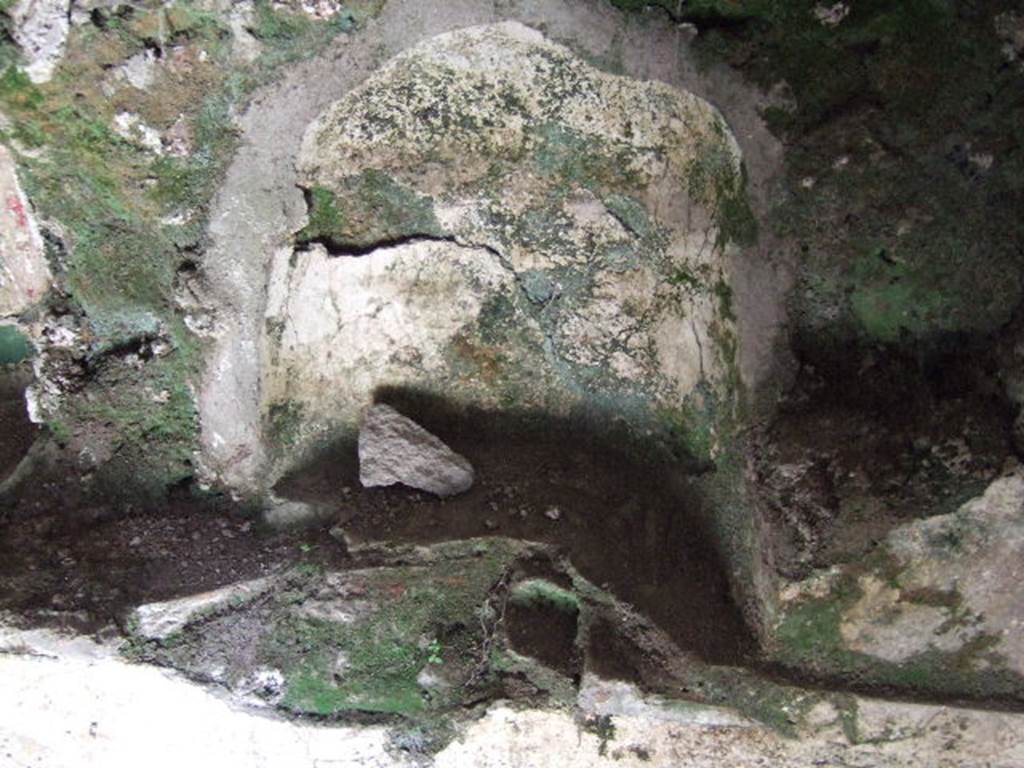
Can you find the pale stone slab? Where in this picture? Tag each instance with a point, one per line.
(24, 273)
(76, 709)
(41, 31)
(157, 621)
(975, 554)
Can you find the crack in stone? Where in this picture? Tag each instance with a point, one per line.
(334, 250)
(539, 314)
(700, 349)
(353, 251)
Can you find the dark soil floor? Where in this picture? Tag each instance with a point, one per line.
(100, 562)
(628, 525)
(625, 524)
(627, 520)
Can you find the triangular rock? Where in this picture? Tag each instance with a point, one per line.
(395, 449)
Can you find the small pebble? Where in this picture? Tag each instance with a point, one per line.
(553, 513)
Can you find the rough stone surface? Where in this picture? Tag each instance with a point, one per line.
(259, 208)
(286, 513)
(378, 330)
(44, 642)
(326, 642)
(616, 698)
(139, 70)
(24, 273)
(129, 127)
(976, 556)
(567, 279)
(888, 735)
(949, 586)
(559, 229)
(41, 30)
(69, 702)
(158, 621)
(881, 624)
(395, 449)
(105, 710)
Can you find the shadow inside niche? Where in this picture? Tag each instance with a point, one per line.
(17, 432)
(624, 510)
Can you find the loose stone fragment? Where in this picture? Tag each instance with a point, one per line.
(395, 449)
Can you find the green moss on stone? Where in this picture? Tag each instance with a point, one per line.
(170, 24)
(905, 127)
(630, 213)
(310, 691)
(409, 611)
(581, 160)
(496, 318)
(128, 218)
(279, 26)
(284, 425)
(894, 300)
(14, 346)
(325, 220)
(539, 286)
(809, 638)
(715, 179)
(812, 628)
(367, 210)
(542, 593)
(692, 425)
(153, 415)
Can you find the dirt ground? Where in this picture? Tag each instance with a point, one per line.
(628, 521)
(628, 524)
(99, 562)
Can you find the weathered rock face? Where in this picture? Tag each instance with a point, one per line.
(58, 681)
(24, 281)
(41, 30)
(495, 221)
(395, 449)
(942, 598)
(971, 565)
(24, 273)
(329, 642)
(881, 733)
(158, 621)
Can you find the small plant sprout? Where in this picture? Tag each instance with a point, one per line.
(435, 650)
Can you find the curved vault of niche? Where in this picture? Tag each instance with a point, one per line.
(494, 221)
